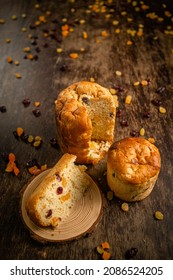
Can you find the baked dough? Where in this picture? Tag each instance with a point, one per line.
(52, 200)
(133, 165)
(85, 117)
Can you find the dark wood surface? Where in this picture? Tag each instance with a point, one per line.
(150, 57)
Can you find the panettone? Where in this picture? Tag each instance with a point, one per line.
(133, 165)
(52, 200)
(85, 117)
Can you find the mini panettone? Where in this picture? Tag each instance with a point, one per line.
(133, 165)
(85, 117)
(52, 200)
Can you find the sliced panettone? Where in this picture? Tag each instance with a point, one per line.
(52, 200)
(85, 117)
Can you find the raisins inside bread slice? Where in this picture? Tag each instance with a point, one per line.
(54, 197)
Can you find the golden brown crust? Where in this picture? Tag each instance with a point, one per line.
(135, 160)
(75, 119)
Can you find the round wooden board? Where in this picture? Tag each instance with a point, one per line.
(83, 218)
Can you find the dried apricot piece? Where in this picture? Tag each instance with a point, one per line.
(105, 245)
(12, 157)
(19, 131)
(106, 255)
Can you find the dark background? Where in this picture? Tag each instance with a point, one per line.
(150, 58)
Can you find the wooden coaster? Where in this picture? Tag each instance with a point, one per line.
(83, 218)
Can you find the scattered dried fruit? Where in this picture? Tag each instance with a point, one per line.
(106, 255)
(18, 75)
(36, 112)
(3, 109)
(125, 207)
(118, 73)
(19, 131)
(11, 166)
(9, 59)
(26, 102)
(142, 131)
(128, 99)
(131, 253)
(74, 55)
(162, 110)
(158, 215)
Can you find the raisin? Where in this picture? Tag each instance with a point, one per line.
(3, 109)
(24, 137)
(64, 68)
(58, 177)
(36, 112)
(59, 190)
(160, 90)
(26, 102)
(54, 143)
(124, 123)
(32, 163)
(48, 213)
(156, 102)
(131, 253)
(15, 135)
(133, 133)
(85, 100)
(146, 115)
(119, 113)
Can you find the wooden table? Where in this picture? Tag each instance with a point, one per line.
(132, 38)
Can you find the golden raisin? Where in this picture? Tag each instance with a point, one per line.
(158, 215)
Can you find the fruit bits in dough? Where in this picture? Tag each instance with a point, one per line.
(53, 199)
(133, 166)
(85, 116)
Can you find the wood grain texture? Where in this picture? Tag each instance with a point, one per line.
(150, 57)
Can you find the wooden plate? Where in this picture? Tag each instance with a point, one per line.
(83, 218)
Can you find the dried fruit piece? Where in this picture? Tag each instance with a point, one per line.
(151, 140)
(49, 213)
(74, 55)
(30, 138)
(3, 109)
(8, 40)
(118, 73)
(19, 131)
(59, 190)
(11, 166)
(136, 84)
(128, 99)
(34, 170)
(106, 255)
(105, 245)
(18, 75)
(158, 215)
(36, 112)
(26, 102)
(131, 253)
(43, 167)
(142, 131)
(9, 59)
(125, 207)
(144, 83)
(100, 249)
(162, 110)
